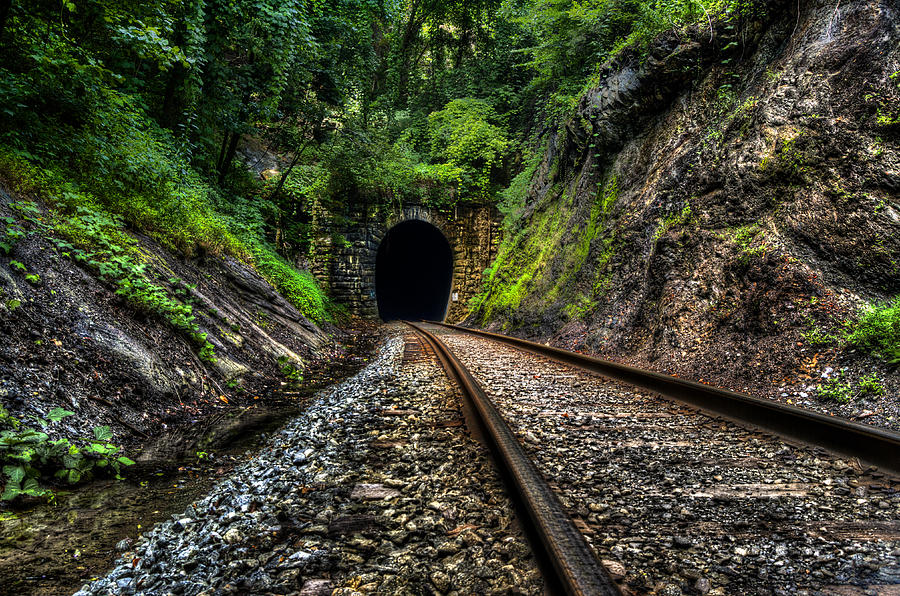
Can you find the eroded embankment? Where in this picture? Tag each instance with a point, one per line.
(721, 207)
(53, 548)
(201, 334)
(180, 357)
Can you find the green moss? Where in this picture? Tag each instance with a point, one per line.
(516, 272)
(677, 219)
(815, 336)
(887, 114)
(750, 241)
(183, 220)
(787, 160)
(870, 386)
(520, 258)
(581, 306)
(575, 254)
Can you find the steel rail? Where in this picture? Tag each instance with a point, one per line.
(870, 444)
(577, 569)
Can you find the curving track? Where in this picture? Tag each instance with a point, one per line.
(577, 570)
(678, 501)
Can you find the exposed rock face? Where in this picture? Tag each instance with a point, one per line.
(70, 341)
(708, 203)
(346, 250)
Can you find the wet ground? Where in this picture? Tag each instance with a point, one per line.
(56, 548)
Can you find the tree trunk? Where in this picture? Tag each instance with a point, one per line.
(461, 49)
(171, 110)
(286, 173)
(5, 5)
(225, 166)
(225, 137)
(411, 32)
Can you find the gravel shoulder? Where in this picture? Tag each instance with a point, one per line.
(675, 502)
(376, 488)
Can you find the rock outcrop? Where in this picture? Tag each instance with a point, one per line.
(717, 200)
(69, 341)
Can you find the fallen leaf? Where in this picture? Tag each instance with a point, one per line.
(460, 529)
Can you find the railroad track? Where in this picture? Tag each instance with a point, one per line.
(673, 500)
(576, 569)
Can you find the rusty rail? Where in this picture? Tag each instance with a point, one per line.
(577, 569)
(876, 446)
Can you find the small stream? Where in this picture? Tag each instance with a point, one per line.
(55, 548)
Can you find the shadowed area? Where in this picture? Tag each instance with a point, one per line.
(413, 272)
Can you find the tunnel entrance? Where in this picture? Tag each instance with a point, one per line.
(413, 273)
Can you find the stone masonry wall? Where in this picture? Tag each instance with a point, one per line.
(346, 249)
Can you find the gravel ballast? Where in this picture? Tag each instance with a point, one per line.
(678, 502)
(376, 488)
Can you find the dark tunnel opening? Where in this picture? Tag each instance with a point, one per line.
(413, 273)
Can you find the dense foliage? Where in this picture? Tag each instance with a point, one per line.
(153, 116)
(131, 112)
(145, 108)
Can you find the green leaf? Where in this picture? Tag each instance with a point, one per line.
(57, 414)
(10, 492)
(102, 433)
(15, 473)
(125, 461)
(101, 449)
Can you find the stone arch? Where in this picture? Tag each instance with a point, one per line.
(413, 213)
(347, 268)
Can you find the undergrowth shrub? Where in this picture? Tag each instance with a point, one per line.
(841, 390)
(298, 287)
(179, 214)
(878, 330)
(102, 244)
(189, 220)
(29, 456)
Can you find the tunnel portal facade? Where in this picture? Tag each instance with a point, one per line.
(345, 257)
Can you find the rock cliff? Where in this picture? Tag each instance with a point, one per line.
(721, 206)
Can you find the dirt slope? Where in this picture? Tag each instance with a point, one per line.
(67, 340)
